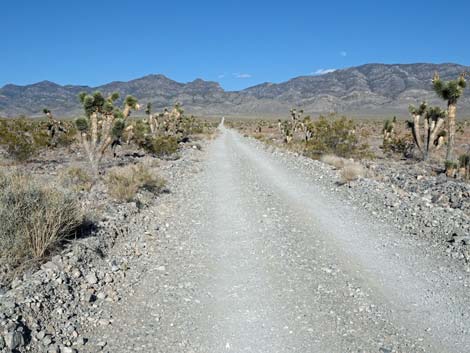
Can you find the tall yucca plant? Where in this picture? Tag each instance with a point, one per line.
(450, 91)
(433, 119)
(104, 123)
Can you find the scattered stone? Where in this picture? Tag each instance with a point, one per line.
(14, 339)
(47, 340)
(91, 278)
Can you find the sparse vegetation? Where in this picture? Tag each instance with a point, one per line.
(76, 178)
(24, 138)
(333, 160)
(334, 136)
(123, 183)
(351, 171)
(160, 146)
(389, 131)
(464, 164)
(104, 124)
(432, 137)
(450, 91)
(35, 217)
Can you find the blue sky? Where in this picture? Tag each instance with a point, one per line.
(237, 43)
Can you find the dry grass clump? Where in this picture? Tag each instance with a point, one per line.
(34, 217)
(333, 160)
(123, 183)
(352, 171)
(76, 178)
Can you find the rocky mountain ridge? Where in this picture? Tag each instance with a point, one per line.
(371, 89)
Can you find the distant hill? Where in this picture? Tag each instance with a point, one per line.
(371, 89)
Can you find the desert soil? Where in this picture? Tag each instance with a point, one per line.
(259, 252)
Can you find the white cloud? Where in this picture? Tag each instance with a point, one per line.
(238, 75)
(323, 71)
(343, 53)
(221, 76)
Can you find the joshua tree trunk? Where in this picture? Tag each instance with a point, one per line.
(417, 132)
(451, 109)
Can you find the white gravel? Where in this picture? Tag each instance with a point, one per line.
(261, 254)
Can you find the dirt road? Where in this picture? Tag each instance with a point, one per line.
(259, 258)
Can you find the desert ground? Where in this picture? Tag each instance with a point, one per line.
(219, 235)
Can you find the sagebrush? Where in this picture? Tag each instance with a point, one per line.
(35, 217)
(123, 183)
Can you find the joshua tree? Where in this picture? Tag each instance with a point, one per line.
(103, 125)
(287, 131)
(296, 118)
(450, 91)
(53, 127)
(433, 120)
(389, 130)
(48, 113)
(175, 118)
(307, 128)
(152, 119)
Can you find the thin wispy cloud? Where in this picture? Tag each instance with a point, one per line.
(343, 53)
(239, 75)
(221, 76)
(323, 71)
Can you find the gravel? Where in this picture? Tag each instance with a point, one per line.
(255, 249)
(54, 308)
(263, 251)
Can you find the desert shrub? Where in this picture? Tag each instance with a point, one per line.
(68, 137)
(76, 178)
(334, 136)
(160, 145)
(399, 144)
(451, 164)
(464, 160)
(18, 138)
(123, 183)
(23, 138)
(333, 160)
(140, 131)
(451, 168)
(464, 164)
(35, 217)
(352, 171)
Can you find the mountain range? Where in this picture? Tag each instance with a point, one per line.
(369, 90)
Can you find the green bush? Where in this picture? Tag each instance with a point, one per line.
(35, 217)
(160, 146)
(334, 136)
(464, 164)
(23, 138)
(401, 145)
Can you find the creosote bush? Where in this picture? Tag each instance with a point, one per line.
(24, 138)
(160, 146)
(330, 135)
(34, 217)
(123, 183)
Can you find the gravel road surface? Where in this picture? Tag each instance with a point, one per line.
(257, 256)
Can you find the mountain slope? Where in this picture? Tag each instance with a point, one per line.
(368, 89)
